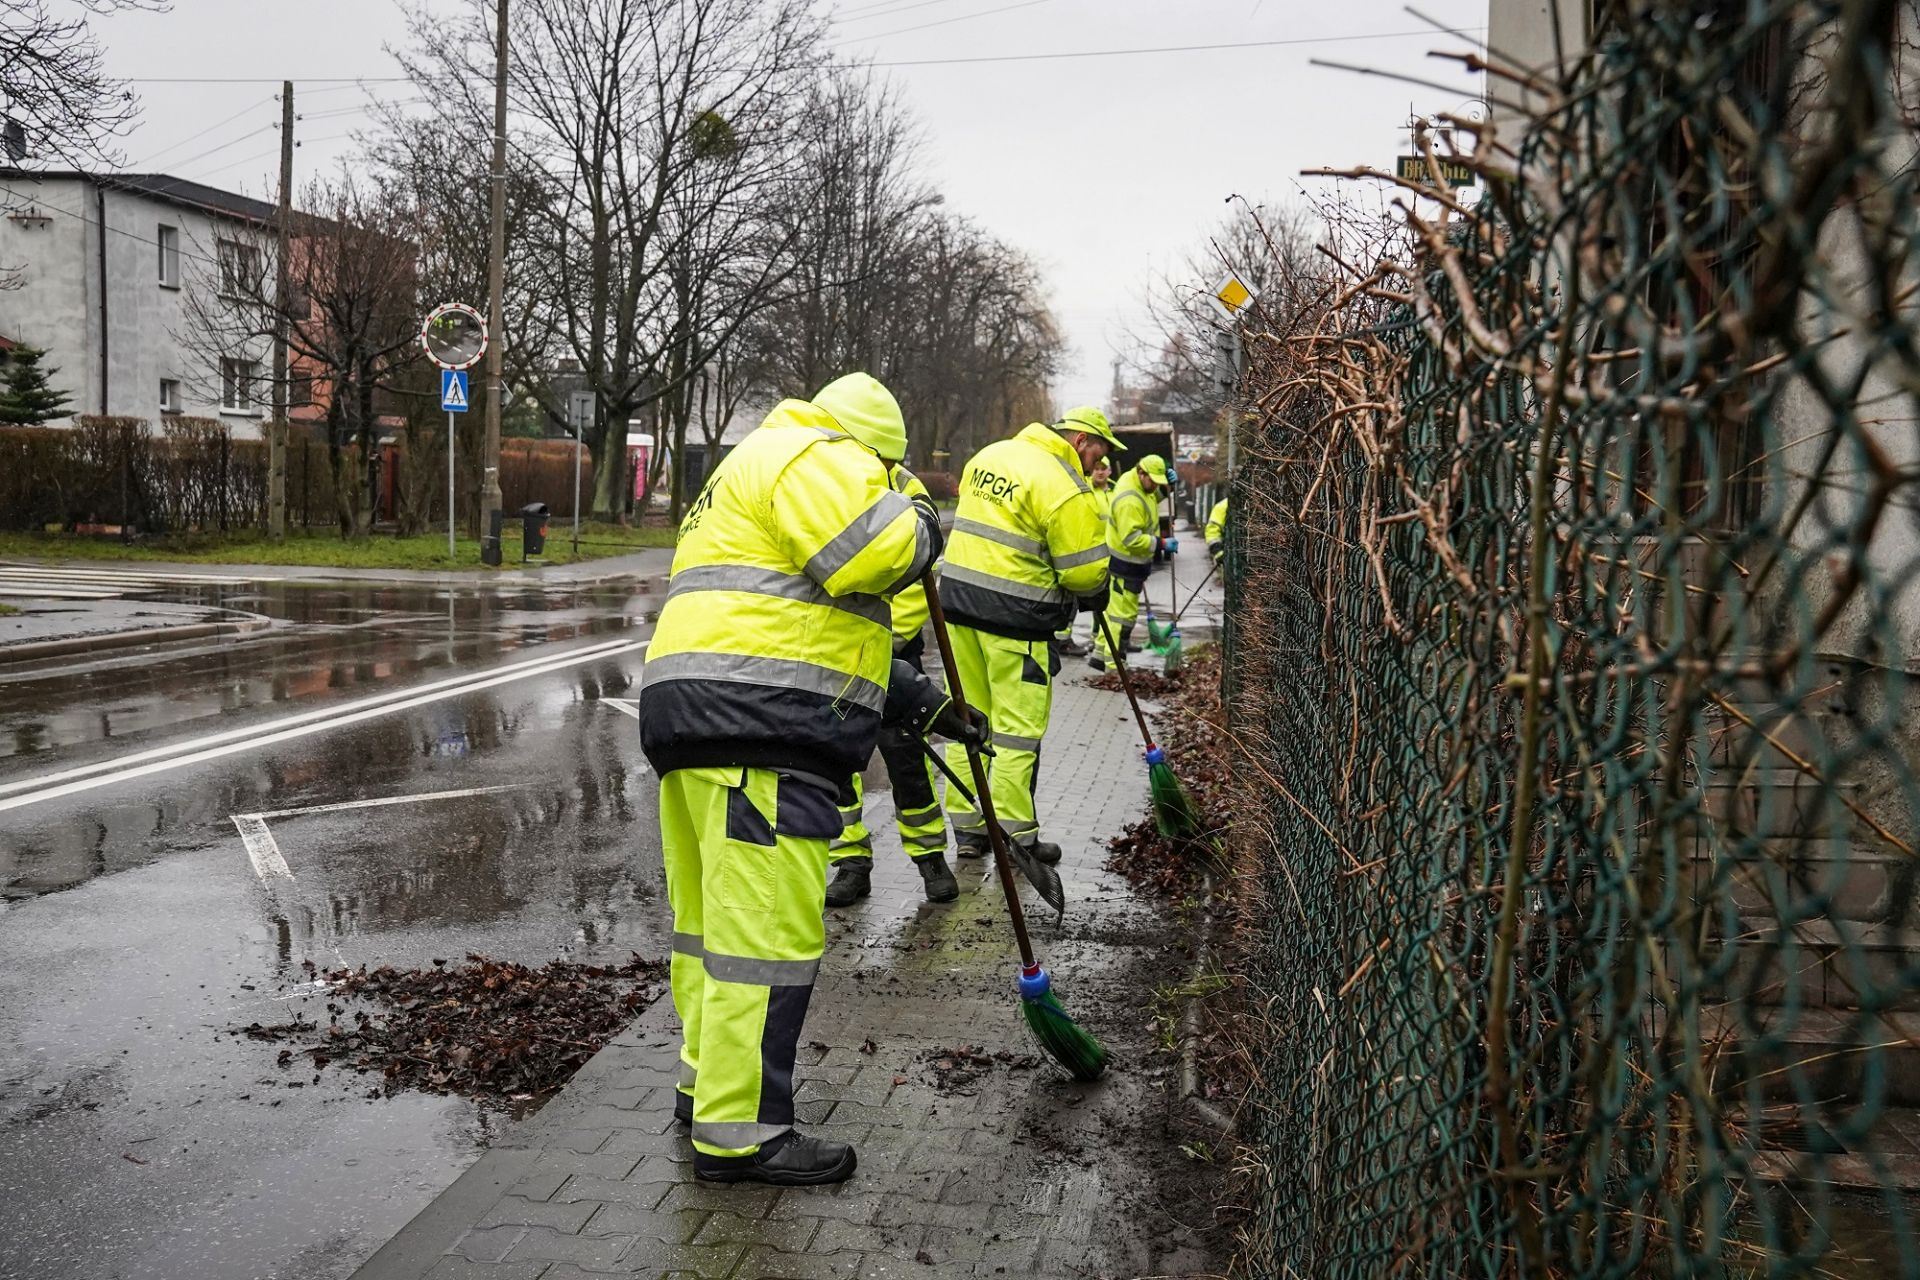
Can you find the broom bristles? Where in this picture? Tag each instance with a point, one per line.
(1061, 1038)
(1173, 811)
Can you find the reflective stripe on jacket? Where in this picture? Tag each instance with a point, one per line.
(909, 605)
(1135, 521)
(1027, 538)
(774, 648)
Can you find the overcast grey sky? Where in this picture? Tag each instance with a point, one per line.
(1104, 169)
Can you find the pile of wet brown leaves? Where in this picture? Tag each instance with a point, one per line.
(1146, 684)
(955, 1070)
(1190, 727)
(488, 1029)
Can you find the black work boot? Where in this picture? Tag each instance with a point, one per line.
(1097, 662)
(971, 844)
(1044, 851)
(683, 1109)
(939, 881)
(852, 881)
(790, 1160)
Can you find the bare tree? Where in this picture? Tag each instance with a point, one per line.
(886, 280)
(1270, 249)
(58, 101)
(352, 319)
(427, 168)
(662, 128)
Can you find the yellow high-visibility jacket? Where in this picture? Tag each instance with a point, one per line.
(1133, 528)
(910, 605)
(775, 647)
(1027, 539)
(1217, 526)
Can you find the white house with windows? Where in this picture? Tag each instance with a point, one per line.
(99, 266)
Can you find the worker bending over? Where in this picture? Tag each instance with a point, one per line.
(765, 688)
(1028, 548)
(1133, 537)
(916, 804)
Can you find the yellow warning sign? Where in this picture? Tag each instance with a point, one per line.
(1231, 294)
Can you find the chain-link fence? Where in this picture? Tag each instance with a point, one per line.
(1572, 611)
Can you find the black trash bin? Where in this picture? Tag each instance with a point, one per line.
(533, 532)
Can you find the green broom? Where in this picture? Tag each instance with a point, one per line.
(1057, 1034)
(1173, 811)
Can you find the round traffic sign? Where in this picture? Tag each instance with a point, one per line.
(454, 336)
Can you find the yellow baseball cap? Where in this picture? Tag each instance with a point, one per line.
(1091, 420)
(1156, 466)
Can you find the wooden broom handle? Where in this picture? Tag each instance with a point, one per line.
(983, 796)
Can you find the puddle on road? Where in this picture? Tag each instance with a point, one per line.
(346, 640)
(577, 758)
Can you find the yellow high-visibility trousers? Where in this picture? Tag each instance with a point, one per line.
(746, 859)
(1123, 607)
(1012, 681)
(916, 803)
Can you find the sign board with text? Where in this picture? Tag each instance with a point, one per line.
(1414, 169)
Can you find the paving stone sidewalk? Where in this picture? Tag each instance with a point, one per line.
(1019, 1173)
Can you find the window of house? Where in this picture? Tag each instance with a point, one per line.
(239, 269)
(299, 390)
(236, 385)
(169, 395)
(169, 241)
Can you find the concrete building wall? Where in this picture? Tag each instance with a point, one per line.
(147, 333)
(44, 240)
(1520, 34)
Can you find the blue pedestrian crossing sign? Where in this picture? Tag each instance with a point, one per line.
(453, 390)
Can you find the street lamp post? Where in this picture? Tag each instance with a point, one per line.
(496, 277)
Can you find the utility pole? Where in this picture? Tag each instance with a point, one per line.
(496, 281)
(283, 280)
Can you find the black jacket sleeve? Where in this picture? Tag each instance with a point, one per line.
(912, 699)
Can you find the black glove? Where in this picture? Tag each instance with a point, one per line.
(1096, 601)
(973, 730)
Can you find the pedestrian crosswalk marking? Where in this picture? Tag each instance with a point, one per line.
(61, 582)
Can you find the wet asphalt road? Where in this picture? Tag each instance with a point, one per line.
(139, 925)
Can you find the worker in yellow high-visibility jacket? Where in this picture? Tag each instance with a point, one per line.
(1217, 531)
(1133, 536)
(1027, 550)
(916, 801)
(1100, 477)
(769, 676)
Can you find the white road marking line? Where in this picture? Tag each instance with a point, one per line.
(303, 730)
(261, 848)
(628, 705)
(384, 801)
(126, 575)
(304, 717)
(60, 593)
